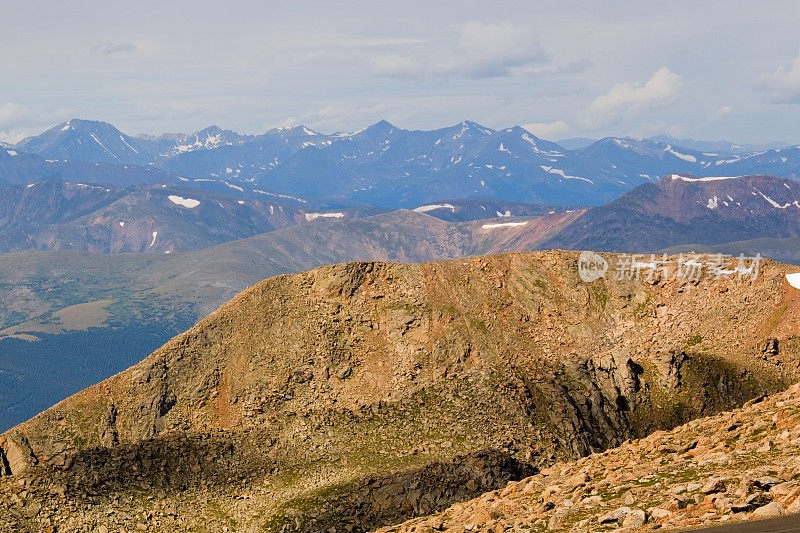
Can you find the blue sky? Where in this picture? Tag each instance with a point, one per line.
(720, 69)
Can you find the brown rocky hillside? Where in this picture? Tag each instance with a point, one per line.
(735, 466)
(359, 395)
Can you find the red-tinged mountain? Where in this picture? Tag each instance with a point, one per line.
(682, 209)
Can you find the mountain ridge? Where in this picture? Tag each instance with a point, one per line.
(391, 167)
(681, 209)
(286, 385)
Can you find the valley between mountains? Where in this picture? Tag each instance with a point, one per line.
(356, 396)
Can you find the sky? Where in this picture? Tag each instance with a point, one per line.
(712, 70)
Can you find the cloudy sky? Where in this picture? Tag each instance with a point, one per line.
(718, 70)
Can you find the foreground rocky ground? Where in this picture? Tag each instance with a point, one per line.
(740, 465)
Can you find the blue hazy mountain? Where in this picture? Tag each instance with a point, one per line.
(719, 146)
(391, 167)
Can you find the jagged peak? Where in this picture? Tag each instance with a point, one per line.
(380, 127)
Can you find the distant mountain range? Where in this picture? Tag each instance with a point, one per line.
(686, 210)
(386, 166)
(55, 215)
(720, 146)
(167, 218)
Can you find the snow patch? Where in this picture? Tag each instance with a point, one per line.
(507, 214)
(685, 157)
(314, 216)
(772, 202)
(712, 203)
(432, 207)
(93, 136)
(12, 153)
(121, 138)
(503, 225)
(794, 280)
(121, 224)
(189, 203)
(155, 234)
(233, 186)
(559, 172)
(259, 191)
(709, 178)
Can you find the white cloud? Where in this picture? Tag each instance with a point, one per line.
(288, 122)
(782, 86)
(18, 121)
(480, 51)
(549, 130)
(11, 113)
(394, 66)
(110, 48)
(721, 112)
(490, 50)
(649, 129)
(628, 100)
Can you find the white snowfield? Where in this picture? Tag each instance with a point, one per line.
(432, 207)
(685, 157)
(314, 216)
(121, 138)
(189, 203)
(709, 178)
(775, 204)
(503, 225)
(559, 172)
(12, 153)
(93, 136)
(794, 280)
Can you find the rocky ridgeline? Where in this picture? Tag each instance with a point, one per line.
(361, 395)
(739, 465)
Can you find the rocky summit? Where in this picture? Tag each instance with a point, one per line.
(357, 396)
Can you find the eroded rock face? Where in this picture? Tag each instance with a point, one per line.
(323, 380)
(734, 466)
(15, 456)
